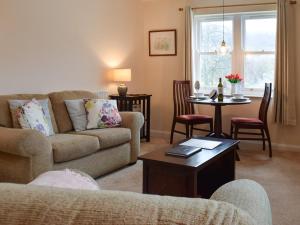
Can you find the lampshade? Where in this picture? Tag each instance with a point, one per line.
(121, 75)
(223, 49)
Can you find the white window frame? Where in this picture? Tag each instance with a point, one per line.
(238, 52)
(197, 49)
(243, 17)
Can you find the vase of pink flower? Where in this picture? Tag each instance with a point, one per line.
(235, 81)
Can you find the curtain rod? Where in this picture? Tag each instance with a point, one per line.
(239, 5)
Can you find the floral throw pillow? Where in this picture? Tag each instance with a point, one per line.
(102, 113)
(31, 115)
(15, 107)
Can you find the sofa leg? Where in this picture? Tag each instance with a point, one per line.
(132, 163)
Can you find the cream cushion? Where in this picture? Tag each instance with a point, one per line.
(5, 115)
(77, 114)
(15, 104)
(61, 114)
(68, 147)
(73, 179)
(102, 113)
(32, 112)
(109, 137)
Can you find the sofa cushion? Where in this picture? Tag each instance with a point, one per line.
(15, 105)
(62, 117)
(102, 113)
(5, 115)
(31, 115)
(77, 113)
(67, 147)
(109, 137)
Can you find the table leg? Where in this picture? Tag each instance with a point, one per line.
(218, 133)
(148, 120)
(218, 121)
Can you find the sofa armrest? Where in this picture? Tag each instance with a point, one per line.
(249, 196)
(29, 148)
(134, 121)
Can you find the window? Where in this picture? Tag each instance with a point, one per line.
(259, 35)
(251, 41)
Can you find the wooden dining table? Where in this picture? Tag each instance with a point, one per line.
(218, 132)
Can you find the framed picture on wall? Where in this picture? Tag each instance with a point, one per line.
(163, 42)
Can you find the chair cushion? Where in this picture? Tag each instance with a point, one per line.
(194, 118)
(68, 147)
(246, 120)
(109, 137)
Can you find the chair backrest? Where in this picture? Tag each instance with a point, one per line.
(265, 102)
(181, 91)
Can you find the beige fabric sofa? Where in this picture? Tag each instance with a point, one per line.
(241, 202)
(24, 154)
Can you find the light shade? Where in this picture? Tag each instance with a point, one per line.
(223, 49)
(121, 75)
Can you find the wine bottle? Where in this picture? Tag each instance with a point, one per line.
(220, 91)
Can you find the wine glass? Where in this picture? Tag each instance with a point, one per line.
(197, 87)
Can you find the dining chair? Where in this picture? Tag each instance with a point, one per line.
(260, 123)
(184, 112)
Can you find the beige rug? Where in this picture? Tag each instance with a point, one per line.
(280, 176)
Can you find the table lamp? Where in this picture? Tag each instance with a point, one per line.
(122, 75)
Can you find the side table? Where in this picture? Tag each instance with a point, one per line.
(138, 103)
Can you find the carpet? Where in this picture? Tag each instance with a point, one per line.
(279, 176)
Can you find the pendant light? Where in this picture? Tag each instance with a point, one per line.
(223, 48)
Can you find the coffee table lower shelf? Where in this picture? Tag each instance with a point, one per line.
(165, 178)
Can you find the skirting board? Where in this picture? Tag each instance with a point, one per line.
(277, 146)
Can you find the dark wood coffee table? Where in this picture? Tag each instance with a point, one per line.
(197, 176)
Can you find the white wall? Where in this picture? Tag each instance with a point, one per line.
(49, 45)
(161, 71)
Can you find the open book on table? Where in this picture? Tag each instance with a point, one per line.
(192, 146)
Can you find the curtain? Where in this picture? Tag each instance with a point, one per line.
(285, 89)
(188, 44)
(188, 48)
